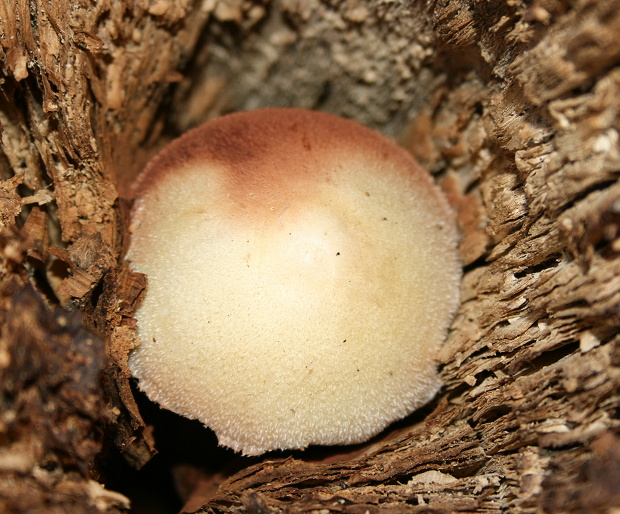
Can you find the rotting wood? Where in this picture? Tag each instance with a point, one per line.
(514, 106)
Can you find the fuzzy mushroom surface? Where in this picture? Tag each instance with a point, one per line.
(302, 273)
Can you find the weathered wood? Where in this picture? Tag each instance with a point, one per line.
(513, 106)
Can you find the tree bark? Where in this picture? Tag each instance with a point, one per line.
(513, 106)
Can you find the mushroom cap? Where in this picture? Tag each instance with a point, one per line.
(302, 272)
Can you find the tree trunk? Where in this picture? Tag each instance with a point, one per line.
(513, 106)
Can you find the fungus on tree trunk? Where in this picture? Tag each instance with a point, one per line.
(302, 274)
(513, 107)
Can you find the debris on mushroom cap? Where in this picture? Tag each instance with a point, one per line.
(302, 272)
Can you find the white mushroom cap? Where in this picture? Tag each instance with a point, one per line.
(302, 272)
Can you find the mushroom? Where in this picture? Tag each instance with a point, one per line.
(302, 273)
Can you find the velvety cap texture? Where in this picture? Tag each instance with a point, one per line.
(302, 273)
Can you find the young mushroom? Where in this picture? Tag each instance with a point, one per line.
(302, 272)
